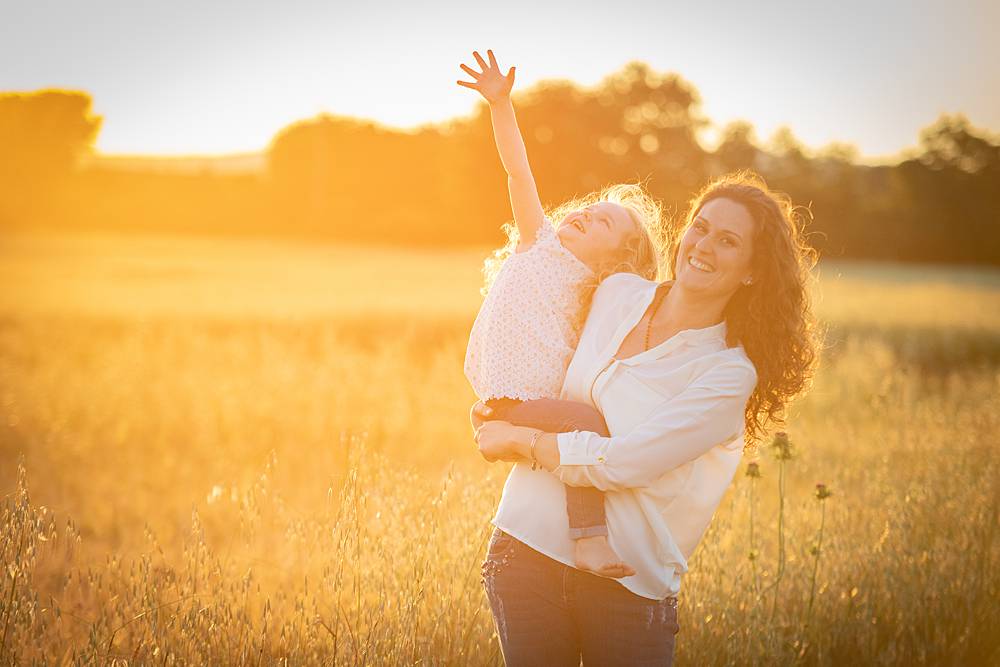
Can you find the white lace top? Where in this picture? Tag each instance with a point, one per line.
(523, 337)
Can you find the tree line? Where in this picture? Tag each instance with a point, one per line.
(342, 178)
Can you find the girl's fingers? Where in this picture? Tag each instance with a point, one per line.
(510, 75)
(493, 60)
(468, 85)
(471, 72)
(479, 59)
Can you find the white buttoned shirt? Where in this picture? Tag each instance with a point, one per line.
(676, 417)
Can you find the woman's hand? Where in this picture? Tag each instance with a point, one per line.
(498, 441)
(489, 83)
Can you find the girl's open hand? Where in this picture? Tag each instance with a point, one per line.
(489, 83)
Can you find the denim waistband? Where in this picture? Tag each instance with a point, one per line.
(534, 554)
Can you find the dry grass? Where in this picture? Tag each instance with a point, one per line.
(250, 452)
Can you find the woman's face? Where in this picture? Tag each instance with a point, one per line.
(714, 254)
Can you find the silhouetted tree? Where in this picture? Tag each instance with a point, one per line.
(41, 136)
(345, 178)
(952, 143)
(737, 149)
(660, 114)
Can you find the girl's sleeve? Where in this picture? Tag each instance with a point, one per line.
(546, 234)
(709, 412)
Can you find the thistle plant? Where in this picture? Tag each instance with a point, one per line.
(822, 493)
(781, 448)
(753, 472)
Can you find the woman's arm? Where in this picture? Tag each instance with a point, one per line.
(548, 415)
(524, 201)
(503, 441)
(706, 414)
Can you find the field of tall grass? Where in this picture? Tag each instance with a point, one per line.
(249, 452)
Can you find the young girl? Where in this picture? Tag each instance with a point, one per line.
(539, 287)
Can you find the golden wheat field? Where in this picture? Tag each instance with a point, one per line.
(221, 452)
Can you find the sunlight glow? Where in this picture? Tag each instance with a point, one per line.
(209, 78)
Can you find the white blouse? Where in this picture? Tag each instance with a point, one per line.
(675, 413)
(523, 336)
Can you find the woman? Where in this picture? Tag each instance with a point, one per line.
(684, 373)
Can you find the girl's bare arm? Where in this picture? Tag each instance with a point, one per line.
(524, 201)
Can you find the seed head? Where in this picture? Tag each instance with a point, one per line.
(781, 446)
(822, 493)
(753, 469)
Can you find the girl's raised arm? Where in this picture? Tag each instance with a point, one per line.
(524, 202)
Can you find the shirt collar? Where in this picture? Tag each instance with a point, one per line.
(713, 332)
(704, 334)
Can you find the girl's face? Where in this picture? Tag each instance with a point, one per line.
(596, 233)
(715, 251)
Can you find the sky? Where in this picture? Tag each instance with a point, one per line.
(218, 76)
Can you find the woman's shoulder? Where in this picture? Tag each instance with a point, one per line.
(620, 289)
(736, 360)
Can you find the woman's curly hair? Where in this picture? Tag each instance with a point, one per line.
(772, 318)
(641, 254)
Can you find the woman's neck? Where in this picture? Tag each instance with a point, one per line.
(683, 309)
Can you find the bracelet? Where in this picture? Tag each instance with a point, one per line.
(531, 448)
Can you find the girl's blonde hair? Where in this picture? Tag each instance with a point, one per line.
(641, 254)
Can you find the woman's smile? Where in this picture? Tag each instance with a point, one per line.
(700, 265)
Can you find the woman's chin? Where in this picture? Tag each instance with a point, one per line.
(694, 280)
(707, 289)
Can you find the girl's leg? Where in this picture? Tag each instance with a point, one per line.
(530, 609)
(584, 505)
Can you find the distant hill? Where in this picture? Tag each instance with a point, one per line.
(237, 163)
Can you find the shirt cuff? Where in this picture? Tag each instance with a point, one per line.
(575, 449)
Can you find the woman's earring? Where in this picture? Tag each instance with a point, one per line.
(748, 282)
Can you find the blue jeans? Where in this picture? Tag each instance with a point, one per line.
(551, 615)
(584, 504)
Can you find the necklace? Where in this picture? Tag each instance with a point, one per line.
(652, 315)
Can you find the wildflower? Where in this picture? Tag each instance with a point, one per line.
(781, 446)
(822, 493)
(753, 469)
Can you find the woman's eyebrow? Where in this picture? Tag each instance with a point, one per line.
(724, 231)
